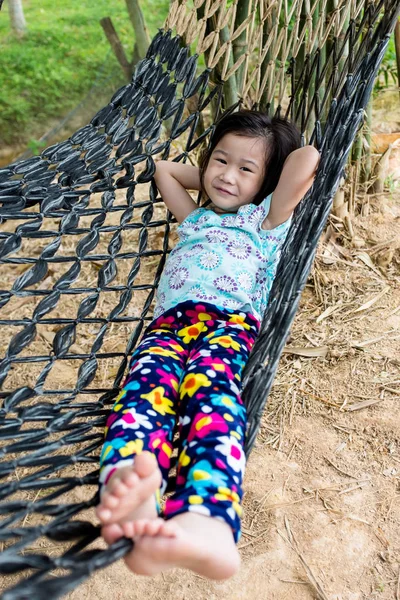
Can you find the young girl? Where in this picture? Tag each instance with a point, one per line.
(186, 372)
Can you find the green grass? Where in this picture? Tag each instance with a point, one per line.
(46, 74)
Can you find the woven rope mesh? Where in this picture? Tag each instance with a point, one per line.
(84, 237)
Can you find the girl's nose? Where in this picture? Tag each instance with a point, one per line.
(228, 175)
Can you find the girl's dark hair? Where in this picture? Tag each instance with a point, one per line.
(280, 135)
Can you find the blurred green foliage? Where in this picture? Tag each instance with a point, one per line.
(47, 73)
(387, 74)
(36, 146)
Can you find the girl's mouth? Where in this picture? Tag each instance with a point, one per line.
(223, 191)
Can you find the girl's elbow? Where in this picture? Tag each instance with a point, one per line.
(307, 154)
(312, 155)
(309, 150)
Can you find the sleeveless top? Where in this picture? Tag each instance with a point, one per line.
(227, 260)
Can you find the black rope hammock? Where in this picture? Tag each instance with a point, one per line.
(83, 241)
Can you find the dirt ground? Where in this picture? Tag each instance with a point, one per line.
(322, 492)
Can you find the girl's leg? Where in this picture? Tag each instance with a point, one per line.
(213, 425)
(143, 419)
(205, 509)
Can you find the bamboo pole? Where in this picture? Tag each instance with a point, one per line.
(317, 84)
(267, 103)
(300, 65)
(330, 42)
(314, 88)
(356, 153)
(208, 28)
(342, 44)
(215, 75)
(239, 44)
(321, 14)
(230, 86)
(364, 149)
(368, 137)
(301, 55)
(397, 48)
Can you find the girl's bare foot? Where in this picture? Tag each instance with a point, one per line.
(202, 544)
(129, 495)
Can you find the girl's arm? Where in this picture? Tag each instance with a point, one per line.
(172, 180)
(296, 179)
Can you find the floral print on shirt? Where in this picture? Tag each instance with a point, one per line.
(228, 260)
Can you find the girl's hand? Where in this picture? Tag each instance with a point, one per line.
(172, 180)
(296, 179)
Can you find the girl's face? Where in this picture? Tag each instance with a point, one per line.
(235, 171)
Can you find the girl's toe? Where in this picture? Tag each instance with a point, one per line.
(129, 529)
(112, 533)
(130, 479)
(152, 527)
(110, 501)
(145, 464)
(168, 529)
(140, 526)
(104, 514)
(120, 490)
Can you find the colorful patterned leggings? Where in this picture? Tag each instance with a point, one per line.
(185, 375)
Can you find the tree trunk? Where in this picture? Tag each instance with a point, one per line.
(142, 41)
(116, 45)
(139, 25)
(18, 23)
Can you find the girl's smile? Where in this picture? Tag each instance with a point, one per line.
(224, 192)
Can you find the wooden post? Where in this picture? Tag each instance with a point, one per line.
(116, 45)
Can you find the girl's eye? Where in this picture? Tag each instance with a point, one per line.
(223, 161)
